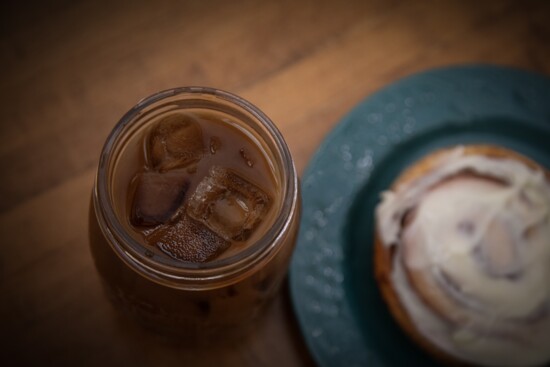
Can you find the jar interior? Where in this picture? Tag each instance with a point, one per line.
(127, 158)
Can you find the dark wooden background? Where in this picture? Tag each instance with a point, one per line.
(70, 69)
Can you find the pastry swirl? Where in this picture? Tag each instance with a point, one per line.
(463, 256)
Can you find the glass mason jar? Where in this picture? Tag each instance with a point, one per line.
(190, 300)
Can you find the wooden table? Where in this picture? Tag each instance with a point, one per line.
(71, 69)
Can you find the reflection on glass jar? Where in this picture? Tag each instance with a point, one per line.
(194, 213)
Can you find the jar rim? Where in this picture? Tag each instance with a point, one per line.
(175, 272)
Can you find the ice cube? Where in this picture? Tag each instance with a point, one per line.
(188, 240)
(175, 141)
(157, 196)
(228, 204)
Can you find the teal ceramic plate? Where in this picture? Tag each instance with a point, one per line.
(341, 313)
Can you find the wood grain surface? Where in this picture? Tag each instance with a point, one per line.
(70, 69)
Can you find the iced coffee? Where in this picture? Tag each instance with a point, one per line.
(194, 213)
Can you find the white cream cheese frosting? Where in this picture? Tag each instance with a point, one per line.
(478, 248)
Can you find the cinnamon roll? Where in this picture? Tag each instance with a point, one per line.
(462, 256)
